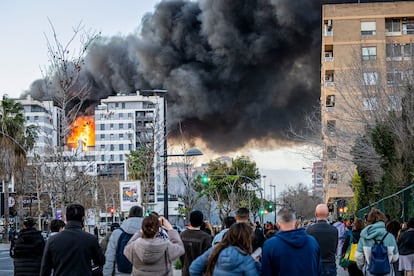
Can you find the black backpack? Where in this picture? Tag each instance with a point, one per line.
(122, 263)
(379, 263)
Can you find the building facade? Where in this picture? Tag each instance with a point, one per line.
(365, 51)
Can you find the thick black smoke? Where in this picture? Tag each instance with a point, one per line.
(235, 71)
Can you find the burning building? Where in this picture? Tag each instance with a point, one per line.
(82, 135)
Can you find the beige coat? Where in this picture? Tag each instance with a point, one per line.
(154, 256)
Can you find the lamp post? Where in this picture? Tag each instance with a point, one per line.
(162, 93)
(274, 199)
(188, 153)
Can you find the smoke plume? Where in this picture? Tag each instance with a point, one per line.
(235, 71)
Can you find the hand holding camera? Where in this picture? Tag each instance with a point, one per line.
(165, 223)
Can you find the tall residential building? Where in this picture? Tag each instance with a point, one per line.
(365, 50)
(128, 122)
(45, 116)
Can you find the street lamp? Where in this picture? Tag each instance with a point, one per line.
(190, 152)
(161, 93)
(274, 187)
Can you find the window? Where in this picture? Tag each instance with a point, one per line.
(102, 136)
(368, 28)
(129, 115)
(329, 78)
(408, 26)
(392, 25)
(121, 126)
(111, 126)
(330, 101)
(370, 78)
(36, 118)
(116, 104)
(328, 27)
(123, 105)
(102, 147)
(333, 177)
(102, 157)
(121, 115)
(121, 136)
(331, 152)
(102, 127)
(393, 51)
(121, 146)
(121, 157)
(394, 103)
(331, 127)
(129, 125)
(408, 50)
(112, 147)
(370, 103)
(395, 77)
(369, 53)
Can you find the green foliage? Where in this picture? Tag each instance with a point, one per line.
(230, 187)
(178, 264)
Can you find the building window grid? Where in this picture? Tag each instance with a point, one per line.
(369, 53)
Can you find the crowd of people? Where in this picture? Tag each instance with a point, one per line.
(151, 246)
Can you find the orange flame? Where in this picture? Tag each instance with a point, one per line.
(82, 132)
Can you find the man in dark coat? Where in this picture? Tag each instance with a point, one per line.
(327, 237)
(72, 251)
(27, 249)
(195, 241)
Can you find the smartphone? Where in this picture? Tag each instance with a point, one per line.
(257, 253)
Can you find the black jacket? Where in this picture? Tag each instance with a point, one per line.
(27, 251)
(71, 252)
(406, 243)
(327, 237)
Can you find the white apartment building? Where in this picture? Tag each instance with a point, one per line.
(45, 116)
(124, 123)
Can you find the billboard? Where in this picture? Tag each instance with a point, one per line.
(130, 192)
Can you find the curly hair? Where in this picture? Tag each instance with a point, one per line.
(375, 215)
(240, 235)
(150, 226)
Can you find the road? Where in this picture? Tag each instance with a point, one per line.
(6, 263)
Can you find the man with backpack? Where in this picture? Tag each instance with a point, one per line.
(116, 263)
(377, 249)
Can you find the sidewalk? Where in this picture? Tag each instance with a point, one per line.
(4, 246)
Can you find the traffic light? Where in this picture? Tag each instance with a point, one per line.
(270, 207)
(112, 210)
(261, 212)
(205, 179)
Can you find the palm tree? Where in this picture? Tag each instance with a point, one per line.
(15, 141)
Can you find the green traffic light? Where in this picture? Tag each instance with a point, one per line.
(270, 206)
(261, 211)
(205, 179)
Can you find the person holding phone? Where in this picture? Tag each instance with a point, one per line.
(150, 255)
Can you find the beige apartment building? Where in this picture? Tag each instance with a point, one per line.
(366, 48)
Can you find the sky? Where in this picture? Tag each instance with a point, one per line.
(23, 53)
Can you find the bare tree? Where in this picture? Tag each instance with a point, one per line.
(66, 171)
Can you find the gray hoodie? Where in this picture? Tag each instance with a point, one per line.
(154, 256)
(130, 226)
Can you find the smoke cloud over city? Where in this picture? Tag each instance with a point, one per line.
(235, 71)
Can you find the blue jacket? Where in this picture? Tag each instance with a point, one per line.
(232, 261)
(291, 253)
